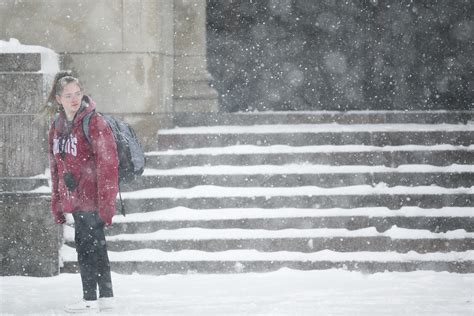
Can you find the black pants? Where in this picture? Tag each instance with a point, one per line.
(92, 255)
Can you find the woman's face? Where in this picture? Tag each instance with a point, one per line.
(70, 98)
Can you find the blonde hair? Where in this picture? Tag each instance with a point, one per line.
(62, 79)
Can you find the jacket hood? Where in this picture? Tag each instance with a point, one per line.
(87, 106)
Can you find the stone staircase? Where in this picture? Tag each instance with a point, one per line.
(369, 191)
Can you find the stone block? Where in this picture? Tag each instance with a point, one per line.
(148, 26)
(20, 62)
(64, 25)
(21, 92)
(23, 146)
(21, 183)
(29, 238)
(190, 26)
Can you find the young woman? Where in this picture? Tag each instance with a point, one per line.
(85, 183)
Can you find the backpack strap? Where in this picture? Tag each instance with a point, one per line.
(121, 201)
(85, 125)
(55, 121)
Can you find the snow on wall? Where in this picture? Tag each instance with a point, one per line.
(49, 59)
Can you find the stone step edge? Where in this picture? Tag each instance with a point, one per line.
(315, 129)
(187, 214)
(69, 254)
(347, 117)
(286, 149)
(333, 112)
(232, 267)
(306, 168)
(197, 233)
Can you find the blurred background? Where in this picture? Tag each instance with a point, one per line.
(341, 55)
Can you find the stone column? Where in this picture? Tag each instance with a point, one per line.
(192, 92)
(29, 238)
(22, 143)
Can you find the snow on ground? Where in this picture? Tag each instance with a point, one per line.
(283, 292)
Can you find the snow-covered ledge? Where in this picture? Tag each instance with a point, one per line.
(26, 73)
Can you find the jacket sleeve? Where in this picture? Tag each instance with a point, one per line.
(55, 201)
(106, 158)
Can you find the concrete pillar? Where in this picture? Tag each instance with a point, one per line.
(29, 238)
(22, 140)
(192, 92)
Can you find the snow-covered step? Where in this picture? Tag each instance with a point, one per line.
(216, 191)
(317, 128)
(313, 117)
(247, 155)
(210, 197)
(183, 213)
(316, 134)
(153, 261)
(369, 190)
(301, 240)
(305, 175)
(69, 254)
(436, 220)
(307, 169)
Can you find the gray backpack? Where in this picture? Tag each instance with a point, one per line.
(130, 153)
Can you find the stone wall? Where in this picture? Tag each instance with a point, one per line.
(23, 144)
(124, 53)
(191, 78)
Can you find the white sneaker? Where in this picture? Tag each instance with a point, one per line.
(83, 306)
(106, 303)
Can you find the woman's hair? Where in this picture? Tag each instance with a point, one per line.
(61, 79)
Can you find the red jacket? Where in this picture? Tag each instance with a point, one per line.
(94, 166)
